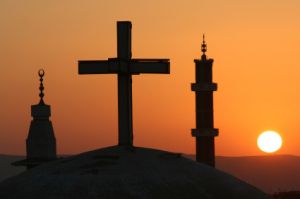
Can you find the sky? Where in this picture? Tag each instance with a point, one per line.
(254, 44)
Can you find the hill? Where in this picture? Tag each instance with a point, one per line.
(273, 173)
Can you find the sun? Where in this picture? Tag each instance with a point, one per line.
(269, 141)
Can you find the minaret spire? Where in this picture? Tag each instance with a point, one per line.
(41, 74)
(203, 48)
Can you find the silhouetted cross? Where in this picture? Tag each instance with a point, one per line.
(125, 66)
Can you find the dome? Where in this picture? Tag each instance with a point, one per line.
(126, 173)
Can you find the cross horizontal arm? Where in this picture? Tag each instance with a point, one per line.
(93, 67)
(150, 66)
(133, 66)
(151, 60)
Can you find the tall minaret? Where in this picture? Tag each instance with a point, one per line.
(205, 131)
(41, 142)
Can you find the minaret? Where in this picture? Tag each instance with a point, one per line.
(204, 88)
(41, 142)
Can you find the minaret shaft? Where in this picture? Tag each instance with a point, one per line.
(41, 142)
(205, 131)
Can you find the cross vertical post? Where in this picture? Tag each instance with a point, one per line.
(124, 84)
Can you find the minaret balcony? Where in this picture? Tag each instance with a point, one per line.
(204, 86)
(204, 132)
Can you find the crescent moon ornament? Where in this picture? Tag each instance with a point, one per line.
(41, 72)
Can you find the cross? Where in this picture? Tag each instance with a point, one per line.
(125, 67)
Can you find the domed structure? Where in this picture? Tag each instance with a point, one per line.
(127, 173)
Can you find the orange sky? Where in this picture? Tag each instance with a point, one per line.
(255, 45)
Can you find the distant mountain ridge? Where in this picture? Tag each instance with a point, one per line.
(272, 173)
(269, 173)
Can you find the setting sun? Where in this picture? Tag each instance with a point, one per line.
(269, 141)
